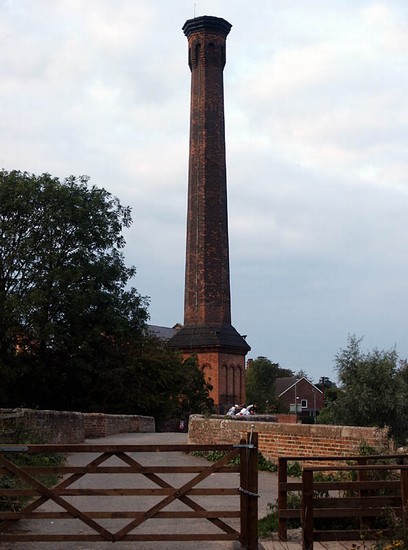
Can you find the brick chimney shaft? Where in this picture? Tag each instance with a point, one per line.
(207, 284)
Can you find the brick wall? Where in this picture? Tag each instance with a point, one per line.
(71, 427)
(51, 426)
(276, 439)
(102, 425)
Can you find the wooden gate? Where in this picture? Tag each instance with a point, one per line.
(74, 496)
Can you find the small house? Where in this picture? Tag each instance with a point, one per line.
(299, 396)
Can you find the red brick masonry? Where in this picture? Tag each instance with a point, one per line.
(276, 439)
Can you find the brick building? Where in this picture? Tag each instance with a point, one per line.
(298, 396)
(207, 331)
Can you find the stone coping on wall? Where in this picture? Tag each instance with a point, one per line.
(247, 418)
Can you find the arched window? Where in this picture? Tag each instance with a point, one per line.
(239, 380)
(206, 370)
(197, 53)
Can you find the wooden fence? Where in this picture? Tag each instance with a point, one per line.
(362, 489)
(363, 499)
(74, 497)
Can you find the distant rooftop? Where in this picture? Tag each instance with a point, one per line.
(284, 384)
(165, 333)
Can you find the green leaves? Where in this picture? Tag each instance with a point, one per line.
(64, 286)
(373, 392)
(260, 383)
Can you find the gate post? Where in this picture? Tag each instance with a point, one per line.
(307, 509)
(249, 491)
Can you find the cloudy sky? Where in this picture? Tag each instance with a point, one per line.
(317, 151)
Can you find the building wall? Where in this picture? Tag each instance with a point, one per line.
(226, 373)
(69, 427)
(304, 390)
(289, 439)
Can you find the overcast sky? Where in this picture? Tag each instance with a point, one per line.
(317, 152)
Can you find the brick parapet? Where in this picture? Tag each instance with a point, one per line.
(278, 439)
(102, 425)
(71, 427)
(50, 426)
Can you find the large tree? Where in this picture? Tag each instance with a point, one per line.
(153, 380)
(73, 331)
(260, 383)
(373, 390)
(63, 282)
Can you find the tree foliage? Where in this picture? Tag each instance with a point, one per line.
(261, 376)
(72, 329)
(373, 390)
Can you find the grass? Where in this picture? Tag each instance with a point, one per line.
(269, 523)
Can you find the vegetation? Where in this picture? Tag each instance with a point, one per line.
(260, 384)
(10, 481)
(373, 390)
(398, 537)
(264, 465)
(269, 523)
(73, 332)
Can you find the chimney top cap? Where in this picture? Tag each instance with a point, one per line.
(207, 23)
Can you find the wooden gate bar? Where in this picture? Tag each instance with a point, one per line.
(183, 498)
(175, 495)
(45, 491)
(65, 483)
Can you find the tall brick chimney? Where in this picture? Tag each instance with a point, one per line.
(207, 330)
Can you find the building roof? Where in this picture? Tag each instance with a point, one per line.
(207, 23)
(282, 385)
(165, 333)
(193, 338)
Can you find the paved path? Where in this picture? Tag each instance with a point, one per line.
(267, 490)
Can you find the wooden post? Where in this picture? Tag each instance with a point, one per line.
(362, 475)
(282, 497)
(253, 490)
(249, 491)
(307, 509)
(243, 480)
(404, 495)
